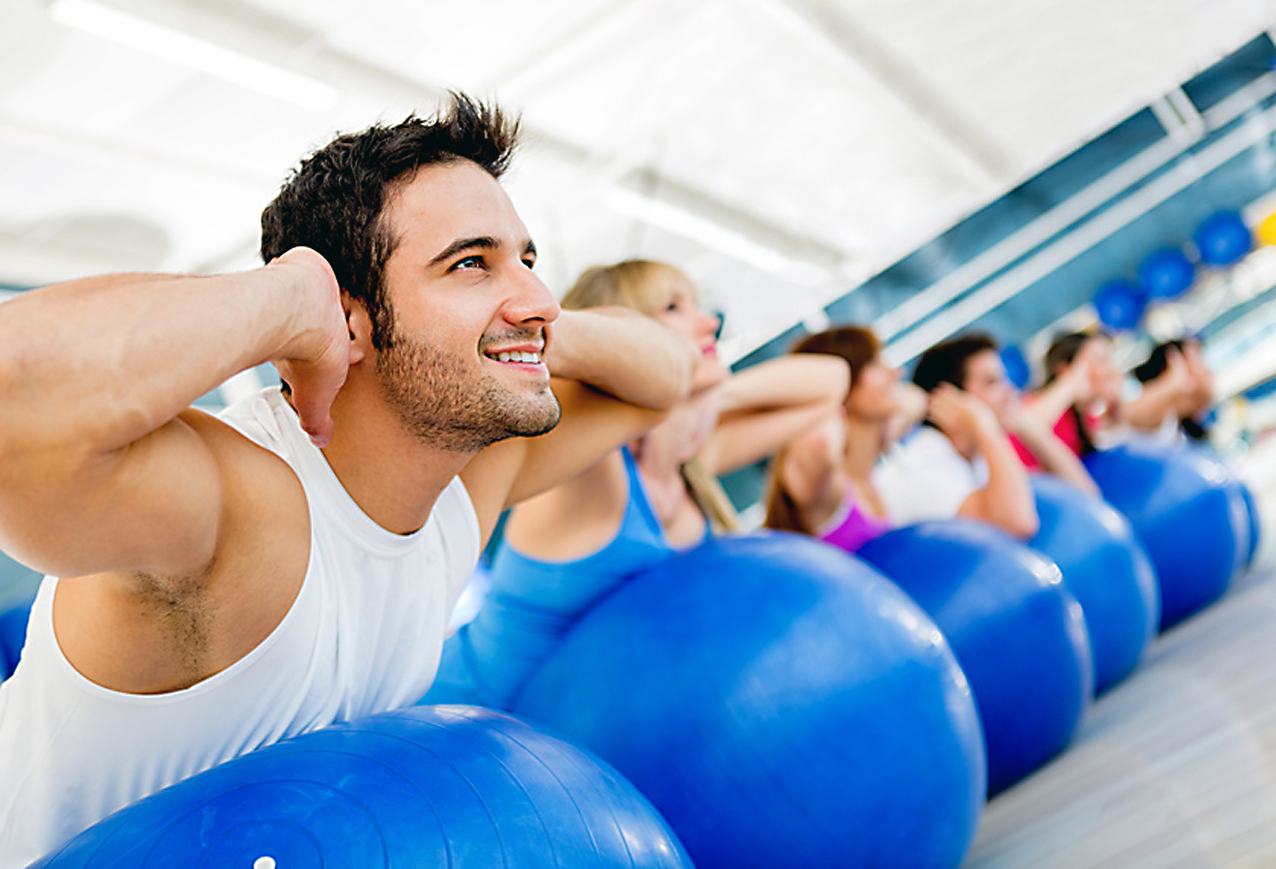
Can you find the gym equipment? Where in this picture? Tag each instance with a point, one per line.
(1016, 630)
(1107, 570)
(1119, 304)
(448, 786)
(781, 703)
(1187, 510)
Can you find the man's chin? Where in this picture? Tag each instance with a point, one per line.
(545, 425)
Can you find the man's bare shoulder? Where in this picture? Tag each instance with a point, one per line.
(140, 632)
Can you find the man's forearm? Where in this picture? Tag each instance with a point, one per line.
(622, 353)
(1008, 496)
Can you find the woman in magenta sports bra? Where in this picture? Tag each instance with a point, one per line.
(820, 484)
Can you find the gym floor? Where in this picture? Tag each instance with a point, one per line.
(1175, 766)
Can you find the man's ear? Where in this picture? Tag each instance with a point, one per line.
(360, 326)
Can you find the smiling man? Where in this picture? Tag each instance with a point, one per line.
(215, 585)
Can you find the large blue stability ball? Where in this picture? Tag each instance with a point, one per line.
(1255, 522)
(781, 704)
(447, 786)
(13, 636)
(1223, 239)
(1107, 570)
(1119, 303)
(1187, 509)
(1017, 632)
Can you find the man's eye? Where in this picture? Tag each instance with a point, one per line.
(469, 262)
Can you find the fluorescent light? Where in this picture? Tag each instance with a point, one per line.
(714, 236)
(198, 54)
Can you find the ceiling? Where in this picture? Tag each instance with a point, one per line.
(781, 151)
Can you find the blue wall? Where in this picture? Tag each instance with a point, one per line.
(1236, 181)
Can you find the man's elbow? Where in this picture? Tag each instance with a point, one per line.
(1023, 525)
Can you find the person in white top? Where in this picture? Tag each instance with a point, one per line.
(963, 463)
(214, 586)
(1177, 391)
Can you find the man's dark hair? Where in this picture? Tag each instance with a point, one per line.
(1158, 360)
(946, 361)
(335, 200)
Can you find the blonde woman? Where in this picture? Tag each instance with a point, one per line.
(645, 501)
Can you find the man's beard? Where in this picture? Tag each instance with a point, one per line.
(442, 406)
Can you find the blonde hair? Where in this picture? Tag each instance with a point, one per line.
(648, 286)
(643, 285)
(710, 497)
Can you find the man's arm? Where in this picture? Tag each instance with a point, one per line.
(102, 468)
(1162, 395)
(616, 374)
(1006, 500)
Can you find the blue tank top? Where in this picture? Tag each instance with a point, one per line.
(532, 604)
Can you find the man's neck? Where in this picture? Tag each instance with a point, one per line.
(393, 476)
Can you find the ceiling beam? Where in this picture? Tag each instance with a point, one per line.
(918, 105)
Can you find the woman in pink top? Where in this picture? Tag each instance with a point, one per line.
(820, 484)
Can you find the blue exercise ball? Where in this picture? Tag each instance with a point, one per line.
(448, 786)
(1166, 273)
(13, 636)
(1119, 304)
(1187, 510)
(1254, 520)
(1017, 632)
(1223, 239)
(1107, 570)
(781, 703)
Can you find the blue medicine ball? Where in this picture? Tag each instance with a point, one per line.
(1187, 509)
(1119, 304)
(781, 704)
(1223, 239)
(1166, 273)
(1017, 632)
(1107, 570)
(447, 786)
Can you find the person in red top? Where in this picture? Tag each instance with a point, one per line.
(1082, 396)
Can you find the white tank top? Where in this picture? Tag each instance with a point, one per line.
(363, 636)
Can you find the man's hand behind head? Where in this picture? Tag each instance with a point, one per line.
(319, 357)
(959, 414)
